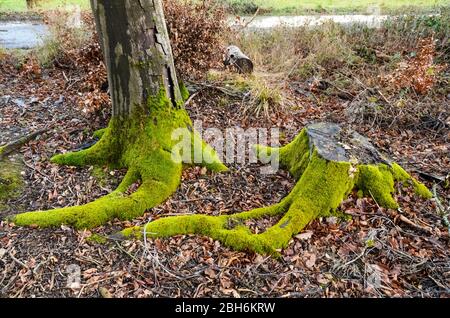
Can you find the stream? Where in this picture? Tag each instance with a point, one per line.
(21, 35)
(26, 35)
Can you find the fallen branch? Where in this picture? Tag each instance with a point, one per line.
(231, 93)
(14, 145)
(429, 175)
(404, 219)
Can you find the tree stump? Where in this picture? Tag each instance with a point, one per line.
(328, 162)
(239, 60)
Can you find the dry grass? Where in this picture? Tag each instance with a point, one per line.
(356, 60)
(305, 50)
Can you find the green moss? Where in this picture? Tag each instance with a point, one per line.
(95, 238)
(422, 190)
(401, 175)
(293, 157)
(99, 133)
(377, 181)
(11, 182)
(184, 91)
(105, 151)
(143, 143)
(321, 187)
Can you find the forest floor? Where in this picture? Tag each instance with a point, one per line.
(370, 252)
(331, 258)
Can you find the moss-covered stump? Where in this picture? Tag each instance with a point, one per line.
(141, 143)
(328, 163)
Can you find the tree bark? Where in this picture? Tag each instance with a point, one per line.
(137, 51)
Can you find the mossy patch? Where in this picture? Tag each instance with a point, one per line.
(11, 181)
(184, 91)
(99, 133)
(96, 238)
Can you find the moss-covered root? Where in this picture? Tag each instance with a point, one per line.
(322, 185)
(143, 143)
(321, 188)
(209, 157)
(378, 181)
(105, 151)
(118, 204)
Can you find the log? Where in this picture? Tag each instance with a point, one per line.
(239, 60)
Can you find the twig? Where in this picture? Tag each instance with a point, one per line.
(442, 212)
(374, 199)
(126, 252)
(355, 259)
(251, 20)
(188, 101)
(223, 90)
(41, 173)
(417, 226)
(18, 261)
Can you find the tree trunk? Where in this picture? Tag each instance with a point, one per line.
(137, 51)
(147, 108)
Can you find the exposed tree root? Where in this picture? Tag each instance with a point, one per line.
(327, 162)
(322, 185)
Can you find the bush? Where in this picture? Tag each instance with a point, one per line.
(241, 6)
(196, 32)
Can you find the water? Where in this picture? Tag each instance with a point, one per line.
(267, 22)
(26, 35)
(21, 35)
